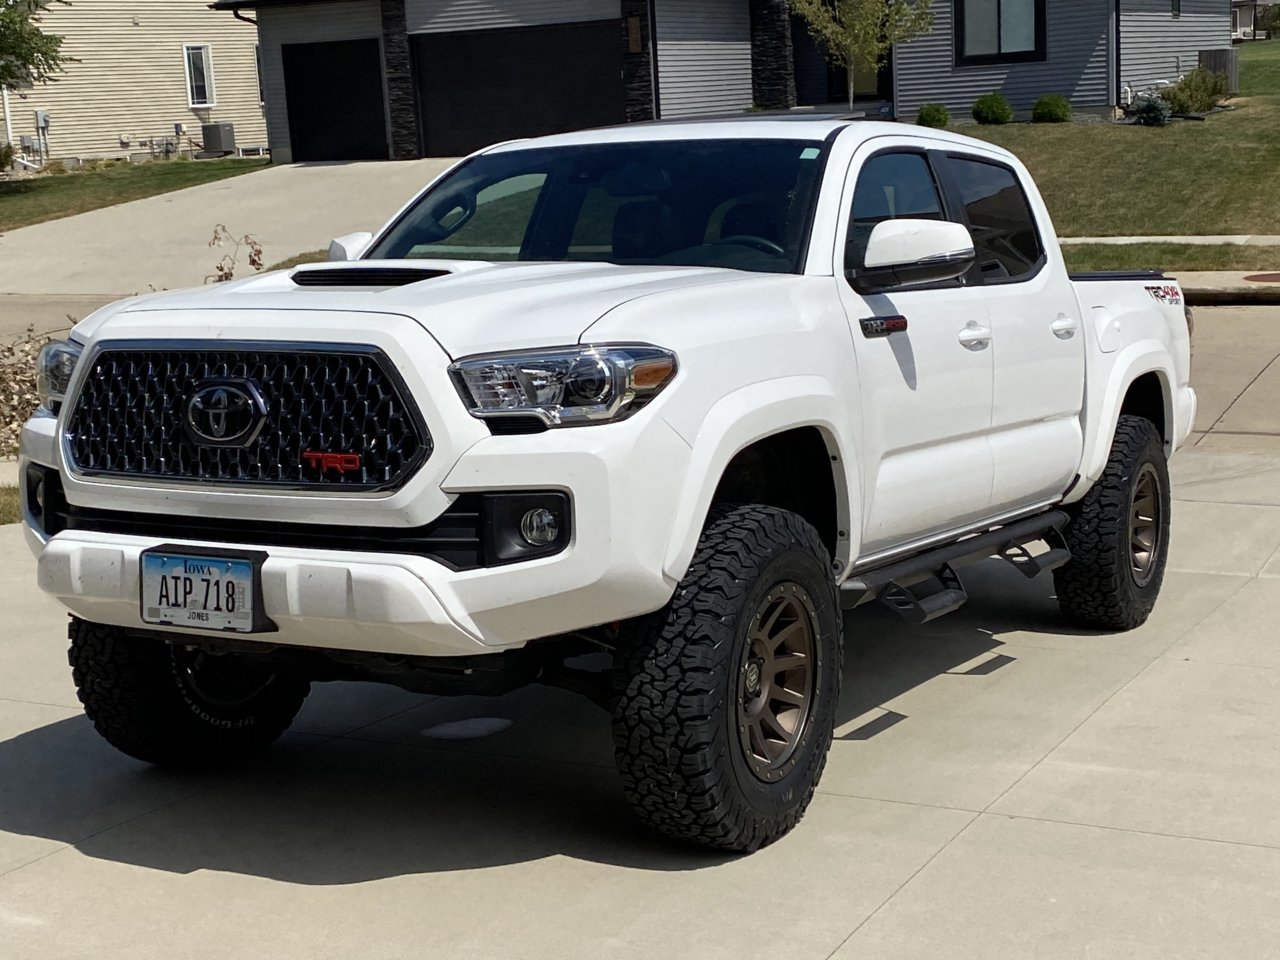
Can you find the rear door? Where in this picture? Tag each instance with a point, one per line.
(1036, 335)
(927, 390)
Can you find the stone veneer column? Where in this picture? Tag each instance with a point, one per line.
(773, 74)
(398, 70)
(637, 68)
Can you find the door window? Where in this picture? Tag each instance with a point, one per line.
(1004, 228)
(891, 186)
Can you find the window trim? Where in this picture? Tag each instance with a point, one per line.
(210, 85)
(1037, 55)
(975, 277)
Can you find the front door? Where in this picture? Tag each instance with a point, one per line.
(1037, 337)
(927, 391)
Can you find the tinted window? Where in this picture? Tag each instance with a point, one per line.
(891, 186)
(1000, 219)
(743, 204)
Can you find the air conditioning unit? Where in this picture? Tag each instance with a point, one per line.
(218, 137)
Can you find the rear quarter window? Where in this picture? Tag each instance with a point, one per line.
(1004, 229)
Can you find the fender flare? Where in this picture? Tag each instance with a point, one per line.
(744, 417)
(1130, 363)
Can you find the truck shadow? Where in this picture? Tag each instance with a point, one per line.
(383, 800)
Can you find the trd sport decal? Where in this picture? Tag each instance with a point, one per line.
(1170, 295)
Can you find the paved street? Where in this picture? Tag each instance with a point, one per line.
(1002, 786)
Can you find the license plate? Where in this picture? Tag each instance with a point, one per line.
(186, 590)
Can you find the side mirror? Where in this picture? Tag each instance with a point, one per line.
(902, 253)
(349, 247)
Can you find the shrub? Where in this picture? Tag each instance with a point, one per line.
(7, 153)
(933, 115)
(993, 109)
(54, 168)
(18, 398)
(1151, 112)
(1051, 108)
(1198, 92)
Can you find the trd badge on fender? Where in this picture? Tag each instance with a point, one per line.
(225, 413)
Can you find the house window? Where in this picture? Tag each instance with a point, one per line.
(199, 59)
(999, 31)
(1176, 7)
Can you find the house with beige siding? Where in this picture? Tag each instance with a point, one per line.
(142, 67)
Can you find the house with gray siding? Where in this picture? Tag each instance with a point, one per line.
(392, 79)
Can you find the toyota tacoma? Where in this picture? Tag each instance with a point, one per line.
(679, 394)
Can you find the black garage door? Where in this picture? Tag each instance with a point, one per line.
(480, 86)
(334, 95)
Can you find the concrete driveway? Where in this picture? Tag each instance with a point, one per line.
(1001, 787)
(163, 241)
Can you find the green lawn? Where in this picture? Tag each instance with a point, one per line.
(1171, 256)
(9, 512)
(1190, 178)
(51, 196)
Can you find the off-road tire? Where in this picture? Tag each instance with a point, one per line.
(135, 689)
(676, 730)
(1098, 588)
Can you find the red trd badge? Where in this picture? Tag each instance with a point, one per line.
(333, 462)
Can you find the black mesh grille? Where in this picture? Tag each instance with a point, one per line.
(129, 419)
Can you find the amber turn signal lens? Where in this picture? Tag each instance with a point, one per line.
(651, 374)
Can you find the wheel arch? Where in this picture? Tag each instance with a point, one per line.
(783, 443)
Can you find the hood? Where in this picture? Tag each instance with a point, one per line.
(467, 306)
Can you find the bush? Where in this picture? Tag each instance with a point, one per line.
(1198, 92)
(993, 109)
(18, 398)
(1051, 108)
(7, 153)
(1151, 112)
(54, 168)
(933, 115)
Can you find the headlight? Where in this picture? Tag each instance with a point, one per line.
(54, 367)
(563, 387)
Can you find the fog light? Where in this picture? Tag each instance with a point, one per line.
(38, 494)
(540, 527)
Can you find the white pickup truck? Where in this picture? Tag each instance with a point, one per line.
(679, 392)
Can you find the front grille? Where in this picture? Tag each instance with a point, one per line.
(453, 538)
(133, 417)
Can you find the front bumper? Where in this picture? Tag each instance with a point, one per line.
(623, 480)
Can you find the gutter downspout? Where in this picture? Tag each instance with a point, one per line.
(1119, 72)
(8, 117)
(243, 19)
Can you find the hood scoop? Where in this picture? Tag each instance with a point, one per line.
(361, 276)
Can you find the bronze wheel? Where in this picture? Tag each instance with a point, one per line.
(1145, 525)
(775, 682)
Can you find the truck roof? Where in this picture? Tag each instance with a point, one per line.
(786, 126)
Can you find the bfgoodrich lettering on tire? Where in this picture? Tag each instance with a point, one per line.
(172, 705)
(1119, 535)
(729, 694)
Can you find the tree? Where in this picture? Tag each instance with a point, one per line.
(27, 54)
(862, 32)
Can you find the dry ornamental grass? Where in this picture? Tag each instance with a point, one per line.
(18, 399)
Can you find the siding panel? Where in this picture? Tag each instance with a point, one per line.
(1079, 40)
(441, 16)
(130, 84)
(704, 56)
(352, 20)
(1154, 46)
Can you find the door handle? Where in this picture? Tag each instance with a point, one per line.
(1064, 328)
(975, 337)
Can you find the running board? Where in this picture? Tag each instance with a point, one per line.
(893, 581)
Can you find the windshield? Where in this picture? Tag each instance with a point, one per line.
(742, 204)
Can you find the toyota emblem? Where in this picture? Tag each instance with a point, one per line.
(225, 413)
